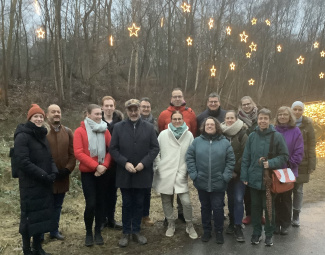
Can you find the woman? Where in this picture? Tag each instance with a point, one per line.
(37, 173)
(210, 163)
(90, 144)
(286, 125)
(171, 175)
(252, 171)
(235, 130)
(308, 163)
(247, 112)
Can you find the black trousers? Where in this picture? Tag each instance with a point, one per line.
(283, 209)
(110, 195)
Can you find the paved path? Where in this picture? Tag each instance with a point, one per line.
(309, 238)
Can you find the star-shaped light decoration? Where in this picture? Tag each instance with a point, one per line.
(254, 20)
(213, 71)
(248, 55)
(232, 66)
(300, 60)
(251, 82)
(189, 41)
(111, 41)
(243, 37)
(228, 30)
(40, 33)
(321, 75)
(186, 7)
(268, 22)
(134, 30)
(316, 45)
(279, 48)
(253, 46)
(211, 23)
(322, 54)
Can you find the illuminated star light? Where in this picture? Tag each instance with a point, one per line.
(232, 66)
(300, 60)
(243, 37)
(268, 22)
(316, 45)
(248, 55)
(186, 7)
(134, 30)
(322, 54)
(228, 30)
(279, 48)
(111, 41)
(251, 82)
(213, 71)
(40, 33)
(189, 41)
(321, 75)
(254, 20)
(211, 22)
(253, 46)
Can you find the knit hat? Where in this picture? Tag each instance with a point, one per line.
(298, 103)
(33, 110)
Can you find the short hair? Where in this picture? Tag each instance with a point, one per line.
(292, 118)
(214, 94)
(177, 89)
(216, 122)
(108, 98)
(175, 112)
(233, 111)
(91, 107)
(247, 98)
(264, 111)
(146, 99)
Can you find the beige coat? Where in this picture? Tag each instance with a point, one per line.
(170, 173)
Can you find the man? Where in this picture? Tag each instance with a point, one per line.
(111, 116)
(145, 112)
(177, 103)
(60, 139)
(213, 110)
(134, 147)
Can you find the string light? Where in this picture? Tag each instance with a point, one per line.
(251, 82)
(243, 37)
(232, 66)
(111, 42)
(211, 23)
(186, 7)
(268, 22)
(300, 60)
(40, 33)
(253, 46)
(189, 41)
(213, 71)
(37, 8)
(162, 22)
(133, 30)
(228, 30)
(254, 20)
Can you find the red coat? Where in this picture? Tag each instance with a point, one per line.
(81, 152)
(188, 116)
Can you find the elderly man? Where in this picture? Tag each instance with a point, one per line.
(134, 147)
(60, 139)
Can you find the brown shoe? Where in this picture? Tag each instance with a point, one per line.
(147, 221)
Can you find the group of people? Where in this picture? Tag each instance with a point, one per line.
(221, 151)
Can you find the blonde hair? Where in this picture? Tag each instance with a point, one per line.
(292, 118)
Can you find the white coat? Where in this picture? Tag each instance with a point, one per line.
(170, 173)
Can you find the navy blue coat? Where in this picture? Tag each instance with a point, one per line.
(134, 143)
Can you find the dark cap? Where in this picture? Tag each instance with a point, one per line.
(132, 102)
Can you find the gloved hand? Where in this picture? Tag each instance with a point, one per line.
(51, 177)
(64, 172)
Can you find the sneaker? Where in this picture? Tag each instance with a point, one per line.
(277, 230)
(230, 229)
(239, 234)
(268, 241)
(219, 238)
(98, 238)
(89, 241)
(263, 220)
(181, 217)
(284, 231)
(295, 218)
(146, 221)
(247, 220)
(206, 237)
(140, 239)
(191, 231)
(256, 239)
(295, 223)
(124, 241)
(171, 229)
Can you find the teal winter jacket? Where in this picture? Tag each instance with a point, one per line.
(210, 163)
(257, 146)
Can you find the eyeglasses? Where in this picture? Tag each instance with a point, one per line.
(213, 102)
(283, 115)
(177, 119)
(177, 97)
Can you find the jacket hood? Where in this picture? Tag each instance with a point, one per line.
(31, 129)
(173, 108)
(267, 131)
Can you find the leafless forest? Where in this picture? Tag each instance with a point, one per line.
(71, 47)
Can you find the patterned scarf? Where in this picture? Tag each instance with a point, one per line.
(248, 117)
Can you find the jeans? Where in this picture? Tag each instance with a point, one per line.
(132, 209)
(168, 206)
(235, 193)
(247, 201)
(283, 209)
(110, 195)
(94, 190)
(298, 194)
(212, 202)
(146, 202)
(58, 201)
(258, 200)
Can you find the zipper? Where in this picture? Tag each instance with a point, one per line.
(209, 183)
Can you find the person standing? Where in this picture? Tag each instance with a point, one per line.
(110, 116)
(134, 147)
(37, 172)
(60, 139)
(308, 163)
(90, 144)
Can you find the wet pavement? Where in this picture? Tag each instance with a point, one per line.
(309, 238)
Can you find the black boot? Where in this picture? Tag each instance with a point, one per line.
(37, 246)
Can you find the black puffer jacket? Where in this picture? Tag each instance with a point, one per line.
(36, 175)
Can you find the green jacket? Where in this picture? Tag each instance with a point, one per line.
(257, 146)
(210, 163)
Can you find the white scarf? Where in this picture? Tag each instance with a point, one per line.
(232, 130)
(96, 138)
